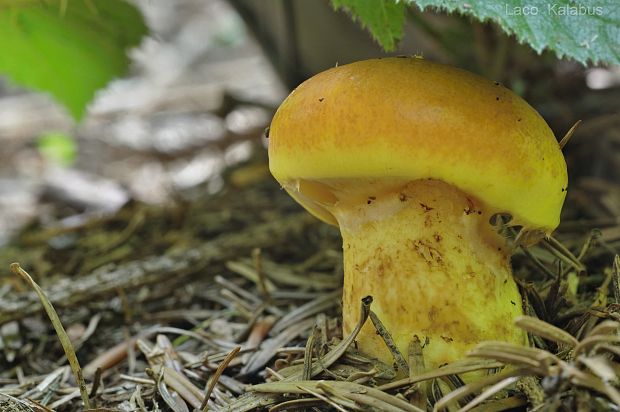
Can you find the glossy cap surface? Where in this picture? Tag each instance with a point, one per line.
(403, 119)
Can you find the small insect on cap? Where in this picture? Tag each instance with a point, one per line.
(396, 119)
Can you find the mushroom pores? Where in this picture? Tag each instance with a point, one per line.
(410, 159)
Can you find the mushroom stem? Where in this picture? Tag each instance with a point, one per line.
(435, 267)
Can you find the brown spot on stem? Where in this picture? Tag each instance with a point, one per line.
(432, 313)
(431, 255)
(470, 207)
(428, 221)
(426, 208)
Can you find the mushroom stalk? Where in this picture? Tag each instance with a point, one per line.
(435, 267)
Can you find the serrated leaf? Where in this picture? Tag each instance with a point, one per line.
(587, 31)
(383, 18)
(68, 48)
(579, 30)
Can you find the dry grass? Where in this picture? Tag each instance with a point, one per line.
(231, 303)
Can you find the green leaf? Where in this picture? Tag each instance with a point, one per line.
(384, 18)
(68, 48)
(58, 147)
(587, 30)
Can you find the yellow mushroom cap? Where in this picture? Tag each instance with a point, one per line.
(408, 119)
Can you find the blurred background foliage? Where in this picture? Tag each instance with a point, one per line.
(69, 49)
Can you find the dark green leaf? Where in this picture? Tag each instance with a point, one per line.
(587, 30)
(384, 18)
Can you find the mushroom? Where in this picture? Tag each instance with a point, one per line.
(412, 159)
